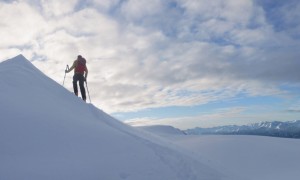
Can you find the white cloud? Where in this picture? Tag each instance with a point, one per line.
(7, 53)
(222, 116)
(138, 9)
(105, 4)
(54, 8)
(237, 11)
(230, 10)
(226, 116)
(20, 24)
(197, 51)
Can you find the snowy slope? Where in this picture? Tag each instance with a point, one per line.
(47, 133)
(254, 157)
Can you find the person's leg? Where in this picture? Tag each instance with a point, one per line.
(75, 79)
(82, 89)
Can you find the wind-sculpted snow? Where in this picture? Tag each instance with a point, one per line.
(47, 133)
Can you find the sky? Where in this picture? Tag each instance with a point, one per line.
(185, 63)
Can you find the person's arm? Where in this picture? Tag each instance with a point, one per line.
(72, 67)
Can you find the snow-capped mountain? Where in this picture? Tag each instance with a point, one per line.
(48, 133)
(289, 129)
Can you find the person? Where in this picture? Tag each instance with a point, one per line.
(80, 74)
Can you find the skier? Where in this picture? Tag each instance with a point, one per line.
(80, 74)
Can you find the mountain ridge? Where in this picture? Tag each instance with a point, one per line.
(288, 129)
(47, 133)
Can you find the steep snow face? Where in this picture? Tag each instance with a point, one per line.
(48, 133)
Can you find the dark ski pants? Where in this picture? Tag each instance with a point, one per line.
(80, 78)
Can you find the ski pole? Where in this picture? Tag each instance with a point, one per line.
(88, 91)
(67, 68)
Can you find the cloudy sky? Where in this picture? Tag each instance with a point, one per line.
(184, 63)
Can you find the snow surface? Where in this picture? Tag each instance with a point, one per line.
(47, 133)
(254, 157)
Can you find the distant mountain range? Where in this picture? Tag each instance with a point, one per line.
(289, 129)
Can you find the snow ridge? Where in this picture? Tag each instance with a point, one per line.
(48, 133)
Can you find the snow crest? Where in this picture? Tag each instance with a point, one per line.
(48, 133)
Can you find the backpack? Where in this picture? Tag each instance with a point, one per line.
(80, 67)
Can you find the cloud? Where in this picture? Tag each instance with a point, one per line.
(294, 107)
(164, 53)
(20, 24)
(55, 9)
(138, 9)
(219, 116)
(105, 5)
(294, 110)
(227, 116)
(283, 16)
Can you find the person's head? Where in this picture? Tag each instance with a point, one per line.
(79, 57)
